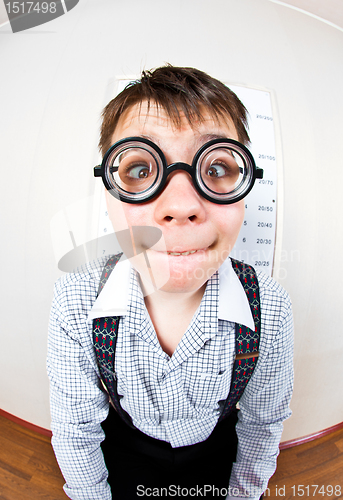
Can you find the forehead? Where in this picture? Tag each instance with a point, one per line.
(154, 123)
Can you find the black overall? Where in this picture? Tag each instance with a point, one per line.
(133, 459)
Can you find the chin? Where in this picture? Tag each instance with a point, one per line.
(187, 280)
(182, 287)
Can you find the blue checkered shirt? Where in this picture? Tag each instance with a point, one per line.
(176, 399)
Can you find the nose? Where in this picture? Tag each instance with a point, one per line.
(179, 203)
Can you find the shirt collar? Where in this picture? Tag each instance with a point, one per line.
(113, 299)
(233, 304)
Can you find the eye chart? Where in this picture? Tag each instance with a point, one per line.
(256, 241)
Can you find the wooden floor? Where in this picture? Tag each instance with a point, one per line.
(28, 469)
(301, 468)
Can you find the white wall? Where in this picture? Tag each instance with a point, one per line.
(56, 78)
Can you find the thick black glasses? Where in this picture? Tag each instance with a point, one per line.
(135, 170)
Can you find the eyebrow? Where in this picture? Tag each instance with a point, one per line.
(200, 141)
(152, 139)
(209, 137)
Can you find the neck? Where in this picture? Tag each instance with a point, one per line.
(171, 300)
(171, 313)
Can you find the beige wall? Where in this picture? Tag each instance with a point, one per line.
(328, 10)
(59, 76)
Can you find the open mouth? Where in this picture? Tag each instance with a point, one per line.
(181, 253)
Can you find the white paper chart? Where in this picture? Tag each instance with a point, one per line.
(256, 240)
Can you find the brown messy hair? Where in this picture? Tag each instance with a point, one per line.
(177, 91)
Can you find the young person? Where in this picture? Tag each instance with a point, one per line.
(176, 172)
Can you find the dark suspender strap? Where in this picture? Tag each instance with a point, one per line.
(247, 340)
(104, 339)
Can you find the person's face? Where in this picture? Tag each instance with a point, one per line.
(198, 234)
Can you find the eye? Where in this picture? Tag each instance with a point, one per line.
(135, 168)
(137, 171)
(217, 170)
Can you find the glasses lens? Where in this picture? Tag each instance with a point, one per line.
(133, 169)
(224, 172)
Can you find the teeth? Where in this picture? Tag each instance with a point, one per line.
(181, 253)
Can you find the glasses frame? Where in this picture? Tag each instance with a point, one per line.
(158, 185)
